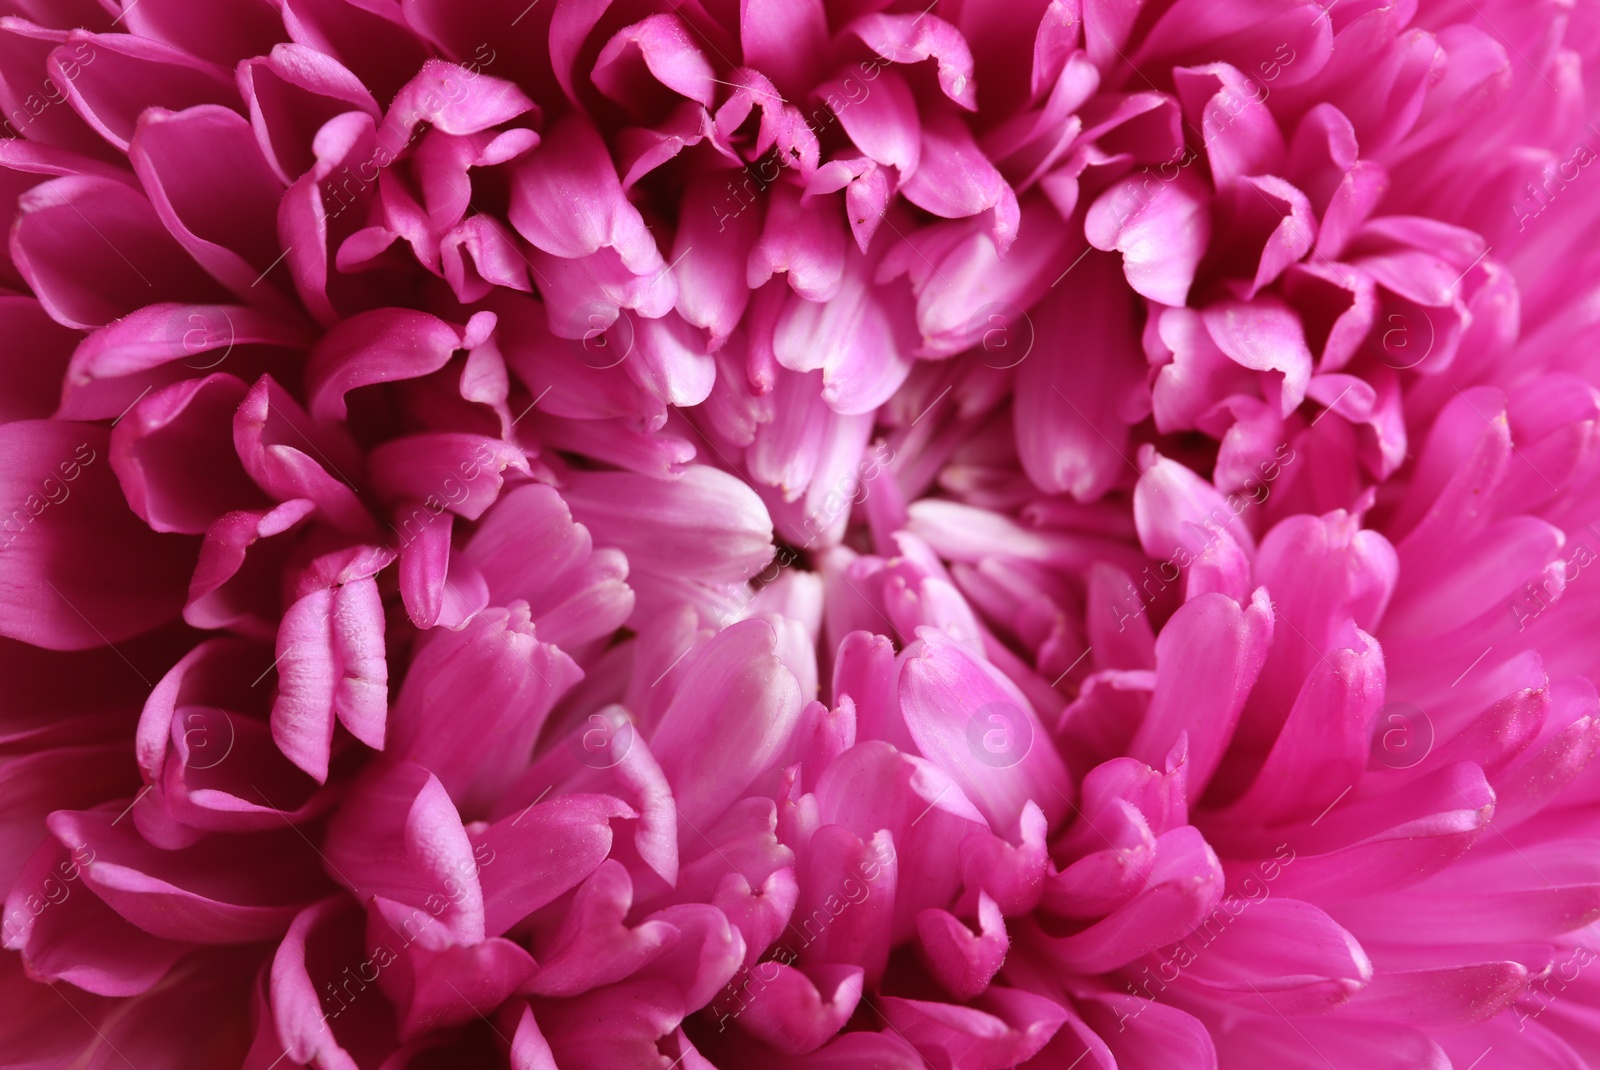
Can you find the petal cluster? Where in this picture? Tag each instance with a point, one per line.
(799, 533)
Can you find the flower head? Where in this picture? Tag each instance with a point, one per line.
(799, 534)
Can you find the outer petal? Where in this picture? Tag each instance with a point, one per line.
(77, 568)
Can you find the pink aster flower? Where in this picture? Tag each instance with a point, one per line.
(797, 534)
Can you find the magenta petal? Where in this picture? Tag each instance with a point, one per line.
(272, 434)
(706, 956)
(1325, 742)
(954, 180)
(573, 157)
(595, 946)
(1241, 136)
(883, 123)
(160, 344)
(399, 836)
(666, 49)
(66, 932)
(1008, 1026)
(173, 454)
(1176, 510)
(529, 1049)
(290, 94)
(1150, 1034)
(529, 548)
(1264, 335)
(873, 787)
(549, 848)
(1070, 434)
(1161, 233)
(225, 592)
(77, 568)
(223, 34)
(669, 361)
(1369, 846)
(1242, 32)
(127, 74)
(43, 1029)
(616, 1027)
(1449, 996)
(67, 242)
(804, 240)
(1207, 659)
(663, 528)
(861, 339)
(970, 721)
(733, 715)
(461, 472)
(962, 962)
(330, 663)
(223, 890)
(712, 291)
(301, 1021)
(453, 99)
(434, 982)
(31, 389)
(1184, 885)
(493, 678)
(847, 898)
(913, 38)
(377, 347)
(795, 1012)
(234, 238)
(785, 41)
(1284, 951)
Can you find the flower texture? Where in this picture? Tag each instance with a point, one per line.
(828, 534)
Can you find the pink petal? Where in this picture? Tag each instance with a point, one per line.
(77, 568)
(492, 678)
(1161, 229)
(733, 714)
(398, 836)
